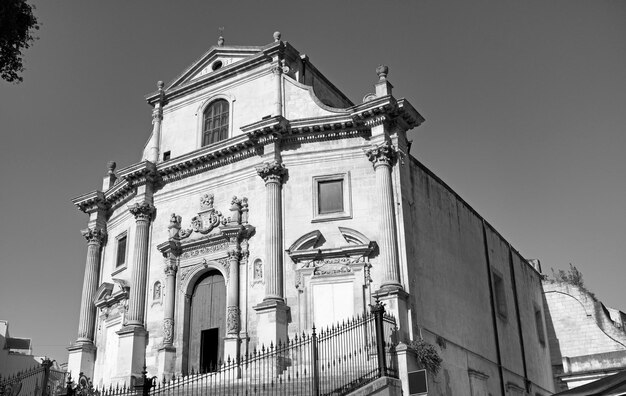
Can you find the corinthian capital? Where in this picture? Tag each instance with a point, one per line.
(170, 269)
(384, 154)
(94, 235)
(142, 211)
(272, 171)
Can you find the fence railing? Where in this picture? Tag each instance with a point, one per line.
(40, 380)
(331, 361)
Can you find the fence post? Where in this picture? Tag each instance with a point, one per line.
(316, 373)
(378, 310)
(46, 364)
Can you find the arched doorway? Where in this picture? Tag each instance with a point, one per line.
(207, 322)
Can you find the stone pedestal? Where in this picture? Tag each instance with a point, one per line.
(273, 317)
(81, 359)
(407, 361)
(131, 354)
(396, 305)
(167, 362)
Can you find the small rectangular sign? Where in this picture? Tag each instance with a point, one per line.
(418, 384)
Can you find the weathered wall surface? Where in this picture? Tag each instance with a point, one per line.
(450, 267)
(586, 343)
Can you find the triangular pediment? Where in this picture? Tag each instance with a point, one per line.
(214, 60)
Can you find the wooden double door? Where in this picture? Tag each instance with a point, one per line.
(207, 323)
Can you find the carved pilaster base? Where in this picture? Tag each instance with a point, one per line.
(396, 304)
(131, 353)
(81, 359)
(273, 318)
(167, 362)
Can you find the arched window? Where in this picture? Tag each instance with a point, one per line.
(215, 124)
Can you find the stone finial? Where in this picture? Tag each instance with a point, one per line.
(382, 72)
(276, 36)
(160, 85)
(220, 41)
(111, 165)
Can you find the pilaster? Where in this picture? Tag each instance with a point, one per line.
(273, 312)
(136, 306)
(383, 157)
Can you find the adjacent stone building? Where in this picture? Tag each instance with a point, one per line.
(266, 202)
(587, 338)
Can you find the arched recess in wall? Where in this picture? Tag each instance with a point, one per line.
(230, 99)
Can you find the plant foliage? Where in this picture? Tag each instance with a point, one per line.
(427, 355)
(17, 26)
(573, 277)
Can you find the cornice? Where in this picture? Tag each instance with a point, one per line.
(264, 55)
(355, 123)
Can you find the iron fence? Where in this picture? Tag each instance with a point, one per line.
(40, 380)
(331, 361)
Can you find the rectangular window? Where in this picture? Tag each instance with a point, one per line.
(539, 323)
(167, 155)
(332, 197)
(121, 251)
(500, 295)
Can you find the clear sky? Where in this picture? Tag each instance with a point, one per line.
(525, 107)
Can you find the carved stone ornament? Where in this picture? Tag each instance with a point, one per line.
(175, 226)
(205, 250)
(168, 331)
(232, 320)
(94, 235)
(142, 211)
(272, 171)
(384, 154)
(170, 269)
(206, 201)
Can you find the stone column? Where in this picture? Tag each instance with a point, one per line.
(82, 355)
(137, 302)
(273, 312)
(231, 341)
(273, 174)
(131, 352)
(157, 117)
(167, 353)
(383, 157)
(168, 320)
(95, 237)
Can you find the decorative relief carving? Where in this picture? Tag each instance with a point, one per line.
(175, 226)
(170, 269)
(142, 211)
(244, 210)
(184, 273)
(384, 154)
(337, 261)
(205, 250)
(206, 201)
(331, 269)
(272, 171)
(232, 320)
(168, 331)
(94, 235)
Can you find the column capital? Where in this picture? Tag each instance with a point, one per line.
(170, 269)
(384, 154)
(272, 172)
(94, 235)
(142, 211)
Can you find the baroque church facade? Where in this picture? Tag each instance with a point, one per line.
(267, 202)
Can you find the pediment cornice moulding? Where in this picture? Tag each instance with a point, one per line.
(250, 144)
(257, 56)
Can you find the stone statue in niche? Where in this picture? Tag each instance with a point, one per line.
(156, 293)
(258, 270)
